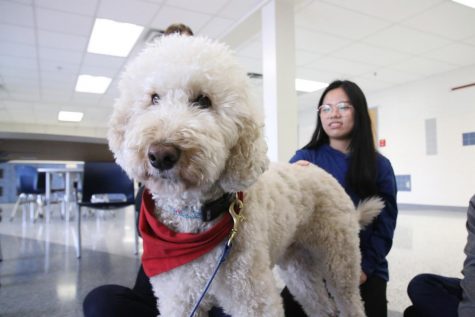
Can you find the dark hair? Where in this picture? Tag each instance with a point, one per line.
(362, 170)
(179, 28)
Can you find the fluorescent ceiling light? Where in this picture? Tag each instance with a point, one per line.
(468, 3)
(304, 85)
(92, 84)
(70, 116)
(113, 38)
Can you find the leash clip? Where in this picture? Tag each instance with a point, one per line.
(237, 204)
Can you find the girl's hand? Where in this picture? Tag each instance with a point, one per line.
(363, 278)
(302, 163)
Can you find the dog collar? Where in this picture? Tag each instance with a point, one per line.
(213, 209)
(209, 211)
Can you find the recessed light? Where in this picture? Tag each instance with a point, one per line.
(109, 37)
(304, 85)
(468, 3)
(70, 116)
(92, 84)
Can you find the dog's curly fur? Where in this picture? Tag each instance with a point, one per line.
(298, 218)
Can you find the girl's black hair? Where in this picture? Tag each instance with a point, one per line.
(362, 171)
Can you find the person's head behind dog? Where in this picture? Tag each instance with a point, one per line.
(186, 118)
(178, 28)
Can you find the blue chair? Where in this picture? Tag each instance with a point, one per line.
(28, 191)
(105, 186)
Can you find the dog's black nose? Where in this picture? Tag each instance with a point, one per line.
(163, 156)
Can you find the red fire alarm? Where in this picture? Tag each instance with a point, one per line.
(382, 143)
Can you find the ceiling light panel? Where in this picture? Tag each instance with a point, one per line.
(113, 38)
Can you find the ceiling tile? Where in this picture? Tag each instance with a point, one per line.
(318, 42)
(334, 20)
(18, 50)
(371, 55)
(204, 6)
(168, 15)
(369, 85)
(55, 66)
(22, 105)
(130, 11)
(25, 89)
(107, 101)
(5, 115)
(62, 41)
(422, 66)
(48, 113)
(304, 57)
(98, 71)
(22, 74)
(103, 61)
(449, 19)
(14, 62)
(215, 28)
(391, 76)
(342, 66)
(17, 34)
(318, 75)
(16, 14)
(59, 55)
(27, 2)
(83, 7)
(407, 40)
(61, 22)
(390, 10)
(79, 98)
(237, 9)
(470, 40)
(456, 54)
(22, 116)
(55, 97)
(57, 76)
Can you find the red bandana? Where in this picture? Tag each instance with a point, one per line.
(164, 249)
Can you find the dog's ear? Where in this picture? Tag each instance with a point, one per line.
(247, 159)
(115, 134)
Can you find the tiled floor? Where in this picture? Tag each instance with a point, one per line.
(40, 275)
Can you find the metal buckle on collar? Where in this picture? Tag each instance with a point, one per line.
(234, 210)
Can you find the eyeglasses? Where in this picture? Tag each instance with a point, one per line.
(343, 107)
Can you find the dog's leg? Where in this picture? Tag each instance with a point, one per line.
(248, 289)
(301, 273)
(177, 292)
(341, 266)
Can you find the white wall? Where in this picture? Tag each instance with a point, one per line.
(445, 179)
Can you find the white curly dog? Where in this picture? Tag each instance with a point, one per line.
(186, 125)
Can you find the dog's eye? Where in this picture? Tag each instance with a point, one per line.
(155, 99)
(202, 101)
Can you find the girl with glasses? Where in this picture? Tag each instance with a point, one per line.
(343, 145)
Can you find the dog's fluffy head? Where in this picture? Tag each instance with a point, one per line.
(188, 93)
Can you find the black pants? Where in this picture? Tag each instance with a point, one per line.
(373, 293)
(120, 301)
(433, 296)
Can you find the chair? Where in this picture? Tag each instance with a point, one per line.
(28, 191)
(105, 186)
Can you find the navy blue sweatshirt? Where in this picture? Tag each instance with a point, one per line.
(377, 238)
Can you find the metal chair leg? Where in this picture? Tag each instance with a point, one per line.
(17, 204)
(78, 216)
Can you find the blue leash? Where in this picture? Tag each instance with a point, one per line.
(221, 260)
(237, 218)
